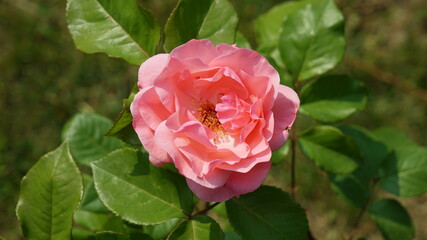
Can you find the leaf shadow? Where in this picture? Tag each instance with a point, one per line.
(142, 165)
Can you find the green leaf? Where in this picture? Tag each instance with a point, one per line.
(90, 201)
(269, 25)
(229, 235)
(50, 193)
(98, 221)
(215, 20)
(137, 191)
(392, 219)
(122, 127)
(198, 228)
(86, 137)
(331, 99)
(330, 149)
(373, 151)
(355, 187)
(81, 234)
(280, 155)
(312, 40)
(351, 188)
(160, 231)
(393, 138)
(242, 41)
(404, 172)
(118, 28)
(267, 213)
(117, 236)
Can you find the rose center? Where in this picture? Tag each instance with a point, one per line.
(208, 116)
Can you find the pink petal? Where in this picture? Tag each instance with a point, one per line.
(150, 107)
(237, 184)
(242, 183)
(285, 110)
(245, 165)
(151, 69)
(146, 135)
(196, 49)
(210, 194)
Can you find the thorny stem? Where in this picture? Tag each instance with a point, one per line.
(363, 210)
(205, 210)
(293, 148)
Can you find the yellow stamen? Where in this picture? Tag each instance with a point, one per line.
(208, 116)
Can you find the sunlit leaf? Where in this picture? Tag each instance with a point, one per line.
(269, 25)
(215, 20)
(137, 191)
(332, 98)
(404, 172)
(330, 149)
(312, 40)
(118, 28)
(198, 228)
(50, 193)
(85, 132)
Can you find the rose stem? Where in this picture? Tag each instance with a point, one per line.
(363, 209)
(204, 211)
(293, 147)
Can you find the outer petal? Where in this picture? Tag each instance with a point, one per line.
(247, 164)
(151, 69)
(285, 110)
(242, 183)
(211, 194)
(146, 135)
(237, 184)
(196, 49)
(150, 108)
(250, 62)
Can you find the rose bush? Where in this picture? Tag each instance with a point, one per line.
(216, 113)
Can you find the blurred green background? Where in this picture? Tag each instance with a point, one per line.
(44, 80)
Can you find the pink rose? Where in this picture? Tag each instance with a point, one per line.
(216, 112)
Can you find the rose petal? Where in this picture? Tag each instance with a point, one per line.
(146, 135)
(247, 182)
(151, 69)
(285, 110)
(237, 184)
(245, 165)
(196, 49)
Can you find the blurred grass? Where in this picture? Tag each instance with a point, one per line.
(44, 80)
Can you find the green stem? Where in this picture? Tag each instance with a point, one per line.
(205, 210)
(293, 162)
(363, 209)
(293, 148)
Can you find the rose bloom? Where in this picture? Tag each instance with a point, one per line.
(216, 113)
